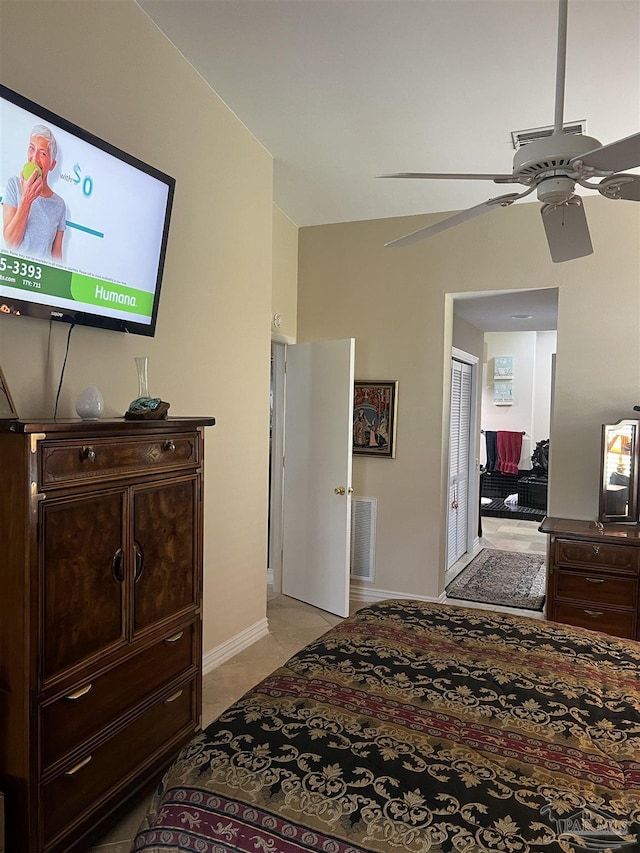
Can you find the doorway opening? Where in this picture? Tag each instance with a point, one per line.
(310, 472)
(514, 336)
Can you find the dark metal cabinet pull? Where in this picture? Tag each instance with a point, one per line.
(117, 565)
(139, 560)
(594, 580)
(169, 446)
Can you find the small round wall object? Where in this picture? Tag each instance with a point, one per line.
(90, 404)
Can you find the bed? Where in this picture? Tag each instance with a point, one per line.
(419, 727)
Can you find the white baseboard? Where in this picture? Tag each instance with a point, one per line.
(218, 655)
(369, 594)
(225, 651)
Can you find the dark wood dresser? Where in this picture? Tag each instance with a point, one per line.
(593, 575)
(100, 617)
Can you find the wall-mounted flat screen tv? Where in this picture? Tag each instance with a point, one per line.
(85, 225)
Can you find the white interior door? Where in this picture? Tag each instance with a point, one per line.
(317, 473)
(459, 462)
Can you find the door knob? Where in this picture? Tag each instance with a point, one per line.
(340, 490)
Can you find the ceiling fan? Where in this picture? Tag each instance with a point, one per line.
(553, 166)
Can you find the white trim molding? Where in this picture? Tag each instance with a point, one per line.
(461, 355)
(278, 338)
(368, 595)
(225, 651)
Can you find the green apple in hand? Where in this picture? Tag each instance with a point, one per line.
(29, 169)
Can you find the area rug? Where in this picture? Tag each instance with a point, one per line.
(507, 578)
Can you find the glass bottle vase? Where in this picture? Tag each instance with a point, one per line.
(142, 368)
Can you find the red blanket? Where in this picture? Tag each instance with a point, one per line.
(509, 450)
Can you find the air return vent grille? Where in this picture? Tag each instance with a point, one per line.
(363, 538)
(523, 137)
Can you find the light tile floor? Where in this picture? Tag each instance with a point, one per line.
(292, 625)
(507, 534)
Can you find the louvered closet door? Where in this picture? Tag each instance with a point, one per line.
(459, 448)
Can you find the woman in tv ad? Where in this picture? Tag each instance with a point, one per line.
(33, 215)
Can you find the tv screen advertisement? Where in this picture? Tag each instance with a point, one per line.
(85, 225)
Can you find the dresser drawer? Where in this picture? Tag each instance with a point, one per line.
(94, 459)
(619, 623)
(95, 703)
(571, 553)
(597, 589)
(70, 795)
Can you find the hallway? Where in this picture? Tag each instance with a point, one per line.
(504, 534)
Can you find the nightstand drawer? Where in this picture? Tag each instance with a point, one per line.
(597, 588)
(620, 623)
(95, 459)
(96, 702)
(71, 794)
(598, 555)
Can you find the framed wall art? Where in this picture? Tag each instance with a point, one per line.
(374, 418)
(7, 407)
(503, 367)
(503, 393)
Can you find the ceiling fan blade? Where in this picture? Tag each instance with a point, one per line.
(567, 230)
(625, 187)
(451, 221)
(444, 176)
(615, 157)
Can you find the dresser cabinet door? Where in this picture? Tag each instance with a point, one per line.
(82, 585)
(165, 545)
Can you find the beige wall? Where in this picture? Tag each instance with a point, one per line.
(393, 302)
(284, 295)
(467, 337)
(106, 67)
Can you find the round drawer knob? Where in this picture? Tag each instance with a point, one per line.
(88, 453)
(169, 446)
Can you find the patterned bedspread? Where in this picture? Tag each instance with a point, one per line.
(419, 727)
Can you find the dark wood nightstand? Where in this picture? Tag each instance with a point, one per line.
(593, 575)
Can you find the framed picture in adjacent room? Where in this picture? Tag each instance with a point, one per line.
(374, 418)
(7, 407)
(503, 393)
(503, 367)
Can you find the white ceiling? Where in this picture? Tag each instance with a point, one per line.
(341, 90)
(510, 311)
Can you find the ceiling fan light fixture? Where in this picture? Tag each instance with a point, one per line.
(551, 153)
(556, 190)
